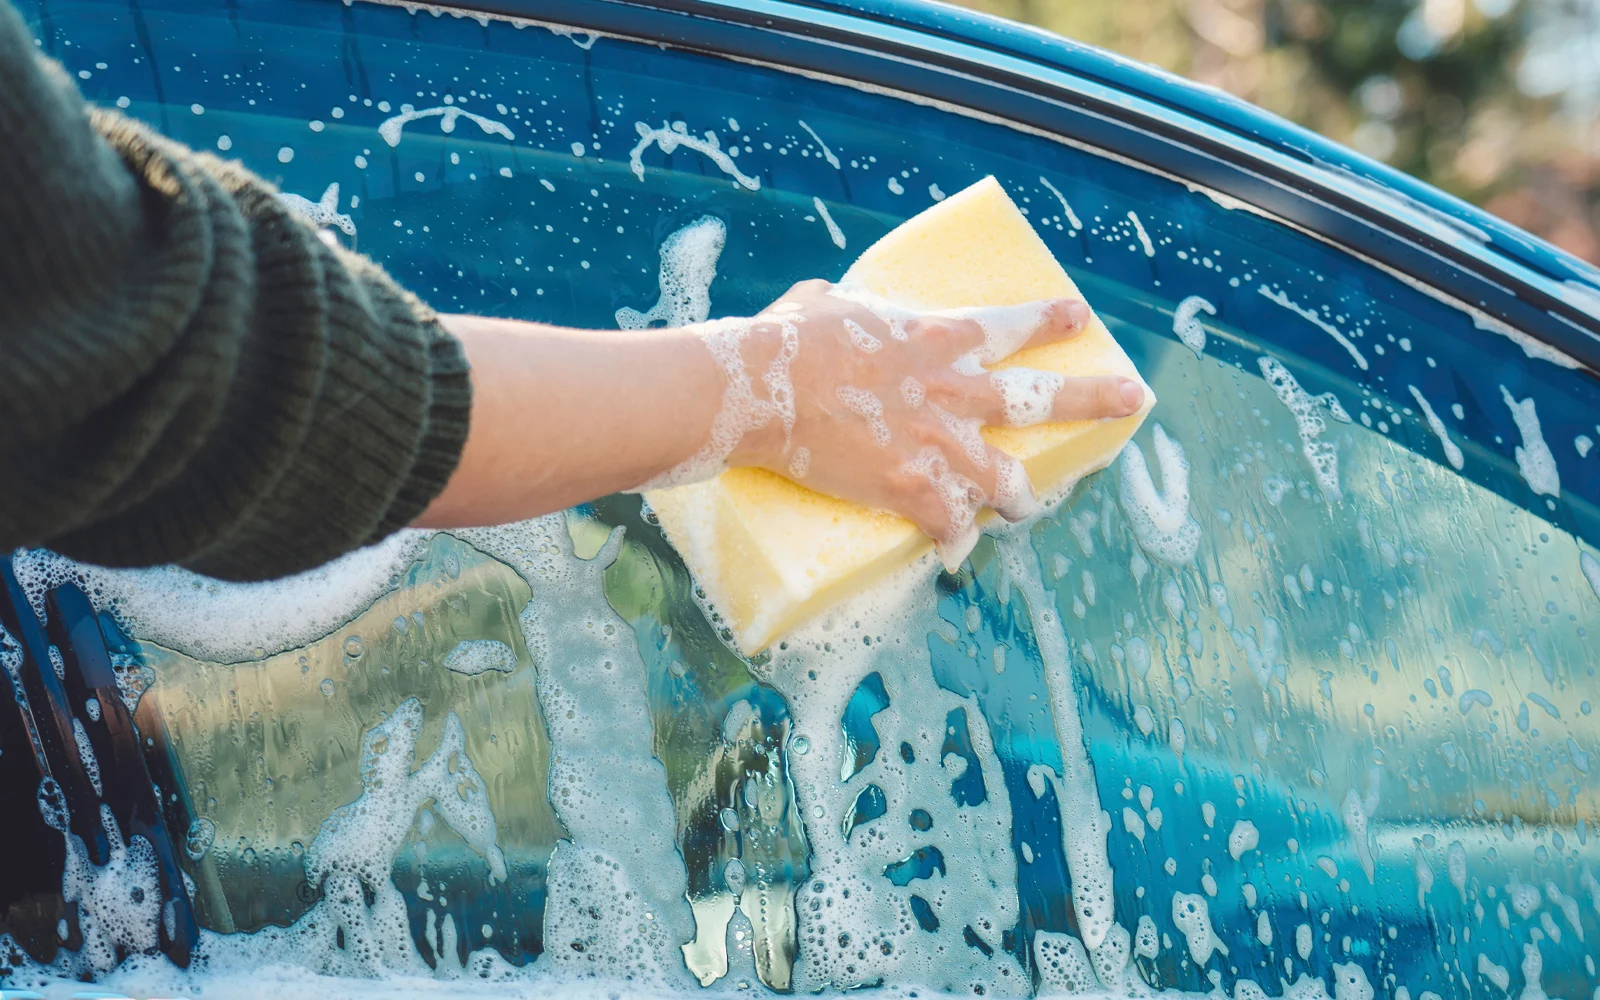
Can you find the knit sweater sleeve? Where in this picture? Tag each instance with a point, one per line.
(190, 374)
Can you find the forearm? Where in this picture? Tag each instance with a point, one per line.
(560, 416)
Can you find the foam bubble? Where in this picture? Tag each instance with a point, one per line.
(1186, 323)
(1160, 519)
(1243, 837)
(688, 266)
(834, 232)
(1534, 460)
(323, 212)
(863, 341)
(1323, 455)
(1452, 451)
(912, 392)
(1192, 914)
(962, 499)
(475, 656)
(1027, 395)
(869, 408)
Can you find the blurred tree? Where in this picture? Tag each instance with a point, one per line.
(1497, 101)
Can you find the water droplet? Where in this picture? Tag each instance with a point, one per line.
(285, 154)
(326, 687)
(800, 745)
(730, 819)
(352, 646)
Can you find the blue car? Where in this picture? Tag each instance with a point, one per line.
(1294, 699)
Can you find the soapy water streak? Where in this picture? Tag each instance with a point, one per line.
(674, 134)
(869, 408)
(391, 128)
(1315, 319)
(1072, 217)
(834, 232)
(1144, 237)
(1186, 323)
(324, 212)
(1452, 451)
(827, 154)
(1323, 455)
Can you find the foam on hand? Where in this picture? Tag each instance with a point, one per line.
(770, 554)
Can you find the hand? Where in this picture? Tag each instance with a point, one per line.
(878, 405)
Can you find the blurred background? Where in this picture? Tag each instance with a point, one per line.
(1495, 101)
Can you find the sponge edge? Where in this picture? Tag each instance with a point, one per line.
(769, 554)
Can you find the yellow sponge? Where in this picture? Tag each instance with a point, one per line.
(771, 554)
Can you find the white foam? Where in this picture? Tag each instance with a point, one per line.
(1192, 914)
(324, 212)
(1323, 455)
(119, 902)
(834, 232)
(1186, 322)
(1534, 459)
(1243, 837)
(476, 656)
(869, 408)
(391, 128)
(671, 135)
(855, 927)
(227, 622)
(1591, 569)
(800, 463)
(1144, 237)
(1161, 520)
(862, 340)
(827, 154)
(1582, 443)
(91, 763)
(1027, 395)
(913, 392)
(1315, 319)
(1302, 941)
(1452, 451)
(961, 498)
(1072, 217)
(1531, 346)
(689, 260)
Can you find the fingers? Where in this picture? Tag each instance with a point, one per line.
(1063, 318)
(1097, 397)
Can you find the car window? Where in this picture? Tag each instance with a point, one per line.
(1296, 696)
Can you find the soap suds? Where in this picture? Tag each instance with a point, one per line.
(672, 135)
(1315, 319)
(1452, 451)
(475, 656)
(869, 408)
(962, 499)
(863, 341)
(1323, 455)
(688, 267)
(913, 392)
(1534, 460)
(1186, 323)
(1027, 395)
(1244, 837)
(1160, 519)
(324, 212)
(800, 463)
(391, 128)
(1192, 914)
(834, 232)
(1072, 217)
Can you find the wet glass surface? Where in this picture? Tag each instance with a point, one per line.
(1332, 658)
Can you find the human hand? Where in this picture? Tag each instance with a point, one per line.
(862, 400)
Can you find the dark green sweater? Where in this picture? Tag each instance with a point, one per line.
(188, 373)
